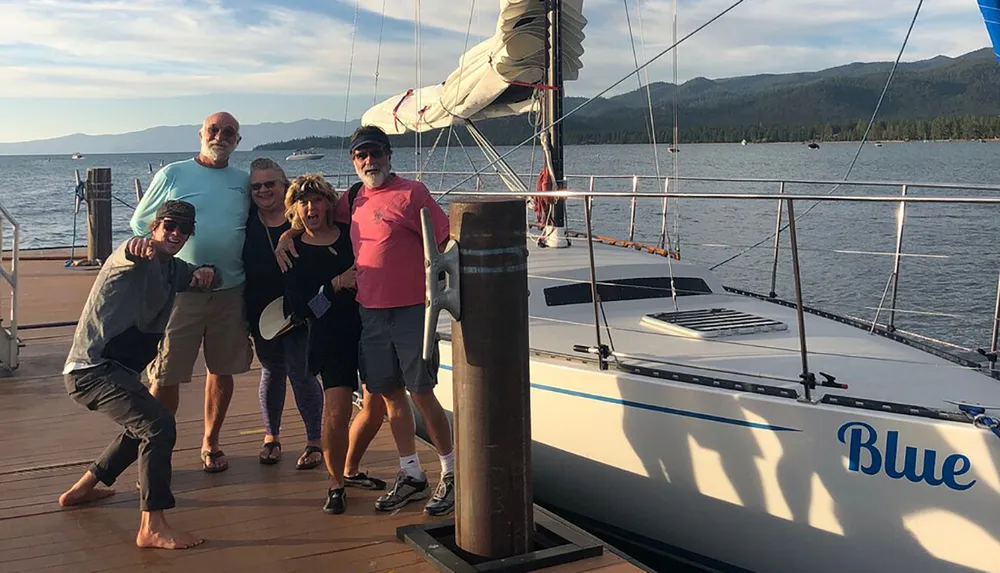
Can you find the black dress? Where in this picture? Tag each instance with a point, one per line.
(263, 276)
(332, 318)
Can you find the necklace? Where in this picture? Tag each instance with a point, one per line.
(267, 231)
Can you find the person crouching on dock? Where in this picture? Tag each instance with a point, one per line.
(121, 325)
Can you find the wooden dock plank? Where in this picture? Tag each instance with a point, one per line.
(255, 518)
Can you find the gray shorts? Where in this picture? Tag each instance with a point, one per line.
(391, 350)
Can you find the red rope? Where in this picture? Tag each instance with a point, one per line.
(395, 122)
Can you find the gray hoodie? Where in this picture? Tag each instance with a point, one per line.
(127, 310)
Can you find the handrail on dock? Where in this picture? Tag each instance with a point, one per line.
(9, 344)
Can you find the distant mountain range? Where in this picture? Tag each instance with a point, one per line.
(939, 98)
(174, 138)
(830, 101)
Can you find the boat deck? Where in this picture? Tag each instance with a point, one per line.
(253, 517)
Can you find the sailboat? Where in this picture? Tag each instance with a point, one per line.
(734, 430)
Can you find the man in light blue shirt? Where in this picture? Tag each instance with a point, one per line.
(221, 195)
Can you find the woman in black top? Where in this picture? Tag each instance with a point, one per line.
(319, 290)
(284, 355)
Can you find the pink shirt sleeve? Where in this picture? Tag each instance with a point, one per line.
(439, 219)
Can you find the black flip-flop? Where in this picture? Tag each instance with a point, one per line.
(268, 460)
(205, 456)
(306, 453)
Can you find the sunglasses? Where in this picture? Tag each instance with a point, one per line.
(229, 132)
(306, 195)
(184, 228)
(267, 184)
(366, 153)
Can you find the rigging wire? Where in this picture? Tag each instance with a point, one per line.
(447, 148)
(350, 74)
(458, 86)
(676, 210)
(594, 98)
(378, 55)
(651, 125)
(861, 145)
(417, 91)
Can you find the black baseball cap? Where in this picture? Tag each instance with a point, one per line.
(369, 135)
(180, 211)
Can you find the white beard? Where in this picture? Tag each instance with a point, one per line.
(216, 152)
(374, 180)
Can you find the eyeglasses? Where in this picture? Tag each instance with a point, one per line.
(268, 184)
(171, 226)
(229, 132)
(377, 153)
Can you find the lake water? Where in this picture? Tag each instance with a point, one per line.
(949, 293)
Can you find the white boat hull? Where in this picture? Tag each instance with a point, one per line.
(738, 481)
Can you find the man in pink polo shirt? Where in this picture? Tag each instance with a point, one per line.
(389, 258)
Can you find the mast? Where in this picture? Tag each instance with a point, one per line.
(555, 231)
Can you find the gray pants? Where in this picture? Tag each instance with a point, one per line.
(149, 435)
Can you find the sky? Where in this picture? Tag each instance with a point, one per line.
(114, 66)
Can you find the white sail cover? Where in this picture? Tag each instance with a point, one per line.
(494, 78)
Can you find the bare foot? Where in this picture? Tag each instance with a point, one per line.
(167, 539)
(77, 495)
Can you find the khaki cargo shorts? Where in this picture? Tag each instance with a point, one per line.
(219, 319)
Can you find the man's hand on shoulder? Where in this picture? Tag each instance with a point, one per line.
(142, 247)
(285, 249)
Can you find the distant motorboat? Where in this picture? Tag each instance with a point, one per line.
(744, 142)
(813, 145)
(300, 155)
(77, 155)
(673, 150)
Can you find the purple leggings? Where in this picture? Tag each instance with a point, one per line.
(281, 357)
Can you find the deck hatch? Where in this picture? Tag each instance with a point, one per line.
(712, 323)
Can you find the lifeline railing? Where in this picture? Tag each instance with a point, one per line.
(781, 184)
(9, 344)
(786, 203)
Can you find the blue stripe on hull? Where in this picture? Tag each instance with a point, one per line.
(656, 408)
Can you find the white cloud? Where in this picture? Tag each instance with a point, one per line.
(146, 48)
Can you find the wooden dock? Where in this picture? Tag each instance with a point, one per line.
(254, 518)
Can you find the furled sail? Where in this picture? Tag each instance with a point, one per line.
(991, 15)
(496, 78)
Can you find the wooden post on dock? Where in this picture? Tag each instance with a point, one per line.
(494, 506)
(98, 198)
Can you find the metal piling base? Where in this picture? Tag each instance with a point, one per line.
(555, 543)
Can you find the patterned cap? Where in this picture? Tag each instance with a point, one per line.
(180, 211)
